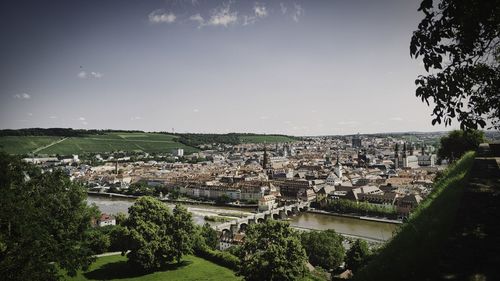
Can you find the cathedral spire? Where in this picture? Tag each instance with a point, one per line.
(265, 160)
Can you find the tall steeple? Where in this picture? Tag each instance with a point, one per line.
(338, 167)
(265, 160)
(396, 156)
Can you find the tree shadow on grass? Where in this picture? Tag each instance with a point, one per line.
(123, 269)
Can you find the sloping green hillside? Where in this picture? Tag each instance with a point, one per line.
(412, 253)
(107, 142)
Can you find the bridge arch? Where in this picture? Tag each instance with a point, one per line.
(243, 227)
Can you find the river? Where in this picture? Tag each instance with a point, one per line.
(344, 225)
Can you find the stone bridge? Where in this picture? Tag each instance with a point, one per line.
(239, 225)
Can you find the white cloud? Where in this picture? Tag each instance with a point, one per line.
(264, 117)
(87, 75)
(260, 10)
(30, 114)
(96, 75)
(23, 96)
(299, 11)
(82, 74)
(196, 110)
(223, 16)
(283, 8)
(198, 18)
(136, 118)
(81, 118)
(85, 123)
(161, 16)
(53, 117)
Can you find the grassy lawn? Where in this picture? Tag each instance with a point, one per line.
(264, 138)
(192, 268)
(24, 144)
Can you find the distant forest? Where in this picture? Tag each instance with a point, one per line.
(199, 139)
(59, 132)
(189, 139)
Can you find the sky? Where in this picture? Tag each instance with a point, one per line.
(289, 67)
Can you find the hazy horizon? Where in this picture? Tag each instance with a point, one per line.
(299, 68)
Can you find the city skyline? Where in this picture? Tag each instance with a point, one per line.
(284, 67)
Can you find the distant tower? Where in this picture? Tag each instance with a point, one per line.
(396, 156)
(338, 167)
(411, 148)
(265, 161)
(405, 163)
(356, 141)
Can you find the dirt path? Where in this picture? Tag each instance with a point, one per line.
(49, 145)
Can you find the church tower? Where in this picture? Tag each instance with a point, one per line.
(396, 156)
(338, 167)
(265, 160)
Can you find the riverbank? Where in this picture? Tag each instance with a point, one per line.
(182, 201)
(353, 216)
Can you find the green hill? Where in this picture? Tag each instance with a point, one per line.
(420, 250)
(69, 141)
(107, 142)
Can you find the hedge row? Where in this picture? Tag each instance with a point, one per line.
(221, 258)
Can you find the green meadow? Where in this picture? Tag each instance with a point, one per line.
(191, 268)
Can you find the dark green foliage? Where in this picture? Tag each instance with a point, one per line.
(120, 218)
(460, 45)
(199, 139)
(156, 236)
(324, 248)
(210, 236)
(231, 138)
(457, 142)
(222, 258)
(140, 188)
(44, 223)
(223, 199)
(182, 232)
(357, 255)
(272, 251)
(117, 236)
(99, 241)
(363, 208)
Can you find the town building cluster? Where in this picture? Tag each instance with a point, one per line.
(382, 171)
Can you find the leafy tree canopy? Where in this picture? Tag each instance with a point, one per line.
(210, 236)
(357, 255)
(272, 251)
(457, 142)
(460, 45)
(156, 235)
(324, 248)
(44, 223)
